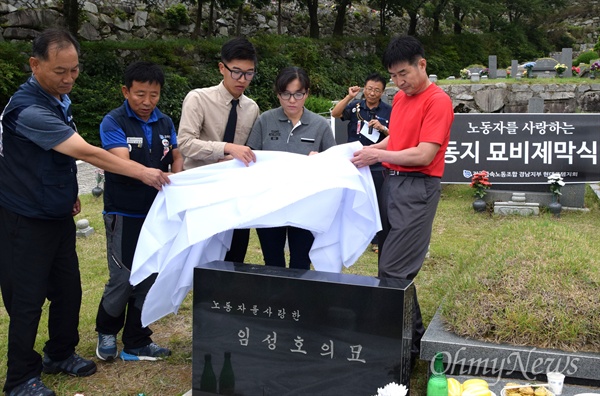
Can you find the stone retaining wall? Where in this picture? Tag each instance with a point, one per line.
(124, 20)
(513, 97)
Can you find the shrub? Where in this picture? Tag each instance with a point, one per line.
(318, 105)
(13, 58)
(92, 98)
(177, 15)
(172, 95)
(586, 57)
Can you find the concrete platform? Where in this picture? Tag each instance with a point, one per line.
(467, 357)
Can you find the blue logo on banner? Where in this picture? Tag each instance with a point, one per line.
(467, 173)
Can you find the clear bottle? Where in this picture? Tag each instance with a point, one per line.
(227, 378)
(208, 381)
(438, 382)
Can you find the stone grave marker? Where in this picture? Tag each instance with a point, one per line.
(514, 68)
(544, 67)
(493, 66)
(297, 332)
(475, 70)
(83, 228)
(567, 59)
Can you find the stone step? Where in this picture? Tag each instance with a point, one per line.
(464, 356)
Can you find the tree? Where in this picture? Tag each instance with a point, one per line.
(413, 7)
(71, 12)
(313, 7)
(257, 4)
(460, 10)
(340, 20)
(198, 28)
(434, 10)
(211, 12)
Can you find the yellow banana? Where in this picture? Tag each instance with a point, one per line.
(474, 381)
(454, 387)
(476, 390)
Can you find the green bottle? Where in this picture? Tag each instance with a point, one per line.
(226, 378)
(438, 383)
(208, 381)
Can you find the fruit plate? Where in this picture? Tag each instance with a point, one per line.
(548, 392)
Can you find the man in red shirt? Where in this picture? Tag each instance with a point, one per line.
(414, 151)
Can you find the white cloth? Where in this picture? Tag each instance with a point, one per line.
(191, 219)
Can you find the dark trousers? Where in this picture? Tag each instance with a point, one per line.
(272, 243)
(407, 211)
(121, 303)
(378, 175)
(239, 246)
(38, 261)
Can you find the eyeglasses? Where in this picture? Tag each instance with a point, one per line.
(288, 95)
(237, 74)
(370, 89)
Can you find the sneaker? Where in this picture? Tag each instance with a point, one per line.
(74, 365)
(148, 352)
(106, 349)
(33, 387)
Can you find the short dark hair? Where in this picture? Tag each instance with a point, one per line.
(403, 49)
(59, 37)
(377, 78)
(289, 74)
(143, 71)
(238, 48)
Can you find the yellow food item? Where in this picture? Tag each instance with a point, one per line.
(475, 381)
(540, 391)
(454, 387)
(526, 390)
(476, 390)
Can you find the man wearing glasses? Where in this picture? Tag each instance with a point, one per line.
(369, 119)
(216, 121)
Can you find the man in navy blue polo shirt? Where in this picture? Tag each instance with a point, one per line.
(369, 119)
(139, 131)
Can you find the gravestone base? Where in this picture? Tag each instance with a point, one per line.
(517, 206)
(464, 356)
(572, 194)
(297, 332)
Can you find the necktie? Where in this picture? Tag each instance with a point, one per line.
(231, 122)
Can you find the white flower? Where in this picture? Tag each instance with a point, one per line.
(555, 178)
(392, 389)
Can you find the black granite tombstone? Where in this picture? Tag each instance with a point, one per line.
(296, 332)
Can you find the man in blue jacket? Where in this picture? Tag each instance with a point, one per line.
(137, 130)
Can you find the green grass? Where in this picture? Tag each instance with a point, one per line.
(524, 280)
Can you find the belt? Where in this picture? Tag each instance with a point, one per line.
(392, 172)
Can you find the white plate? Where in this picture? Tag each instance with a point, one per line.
(548, 391)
